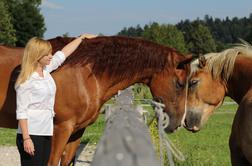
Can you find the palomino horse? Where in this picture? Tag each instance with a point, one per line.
(94, 73)
(214, 76)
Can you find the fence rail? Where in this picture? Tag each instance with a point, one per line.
(126, 140)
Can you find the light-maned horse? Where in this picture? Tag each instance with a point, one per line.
(91, 76)
(214, 76)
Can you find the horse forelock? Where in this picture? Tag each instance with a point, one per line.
(120, 56)
(221, 64)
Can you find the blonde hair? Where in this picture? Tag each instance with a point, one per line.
(35, 49)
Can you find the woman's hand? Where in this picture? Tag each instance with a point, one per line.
(87, 36)
(72, 46)
(29, 147)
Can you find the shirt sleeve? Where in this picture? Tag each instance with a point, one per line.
(57, 60)
(22, 92)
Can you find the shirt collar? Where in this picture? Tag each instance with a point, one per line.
(36, 75)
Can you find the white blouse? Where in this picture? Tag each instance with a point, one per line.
(35, 99)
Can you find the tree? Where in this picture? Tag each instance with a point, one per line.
(131, 31)
(7, 32)
(165, 34)
(248, 38)
(65, 34)
(200, 40)
(26, 19)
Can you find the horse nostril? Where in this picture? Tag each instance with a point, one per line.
(185, 123)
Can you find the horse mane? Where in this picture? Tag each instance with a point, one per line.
(221, 64)
(117, 55)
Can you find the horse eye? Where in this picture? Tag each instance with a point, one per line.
(193, 83)
(179, 85)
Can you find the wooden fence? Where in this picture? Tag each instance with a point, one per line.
(126, 139)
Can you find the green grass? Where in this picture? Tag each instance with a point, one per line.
(8, 137)
(209, 147)
(228, 99)
(229, 108)
(95, 131)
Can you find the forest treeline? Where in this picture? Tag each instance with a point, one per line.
(196, 36)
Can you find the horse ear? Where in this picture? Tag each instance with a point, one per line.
(202, 61)
(186, 61)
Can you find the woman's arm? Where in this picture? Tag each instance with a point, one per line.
(27, 142)
(24, 127)
(72, 46)
(60, 56)
(22, 94)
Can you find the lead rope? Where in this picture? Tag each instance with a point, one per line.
(163, 122)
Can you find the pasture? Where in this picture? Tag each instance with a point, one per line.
(208, 147)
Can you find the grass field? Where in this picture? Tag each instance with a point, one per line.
(209, 147)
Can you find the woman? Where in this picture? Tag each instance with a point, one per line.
(35, 90)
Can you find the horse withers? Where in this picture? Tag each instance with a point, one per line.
(214, 76)
(96, 71)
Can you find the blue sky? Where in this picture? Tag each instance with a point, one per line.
(110, 16)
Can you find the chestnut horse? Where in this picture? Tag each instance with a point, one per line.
(214, 76)
(92, 75)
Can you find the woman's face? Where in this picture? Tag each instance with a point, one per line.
(45, 60)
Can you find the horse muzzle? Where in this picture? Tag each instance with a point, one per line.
(193, 121)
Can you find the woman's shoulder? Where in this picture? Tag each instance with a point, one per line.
(24, 85)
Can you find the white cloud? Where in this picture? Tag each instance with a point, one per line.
(50, 5)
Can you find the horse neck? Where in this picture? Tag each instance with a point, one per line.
(241, 81)
(116, 84)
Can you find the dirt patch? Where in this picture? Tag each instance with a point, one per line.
(9, 155)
